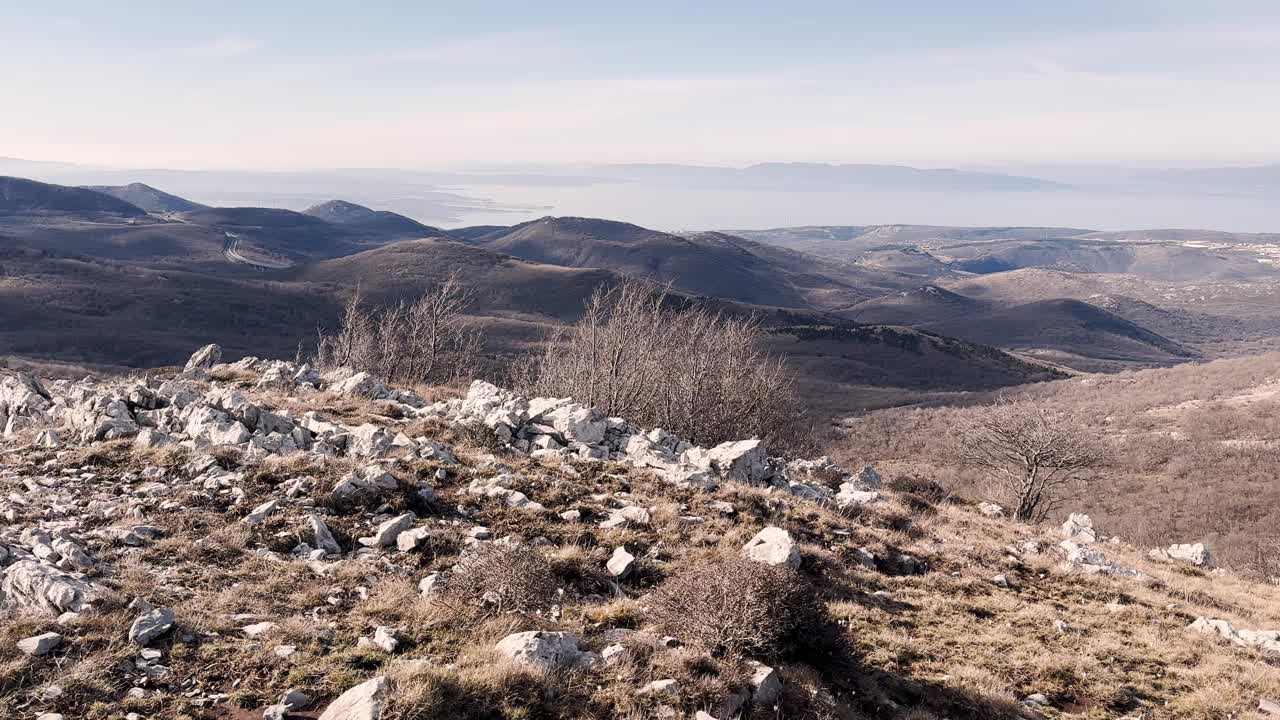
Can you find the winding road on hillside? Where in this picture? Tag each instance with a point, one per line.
(231, 249)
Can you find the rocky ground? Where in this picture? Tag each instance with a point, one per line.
(260, 539)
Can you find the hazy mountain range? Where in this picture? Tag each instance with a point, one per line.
(134, 275)
(674, 196)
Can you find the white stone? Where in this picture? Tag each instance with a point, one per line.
(772, 546)
(1078, 528)
(40, 645)
(362, 702)
(1197, 554)
(621, 563)
(204, 358)
(323, 537)
(541, 650)
(151, 625)
(430, 585)
(259, 514)
(388, 531)
(29, 587)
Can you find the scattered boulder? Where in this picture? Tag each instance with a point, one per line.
(291, 701)
(1079, 529)
(361, 384)
(40, 645)
(772, 546)
(384, 638)
(151, 625)
(1197, 554)
(743, 461)
(204, 358)
(1093, 562)
(362, 702)
(259, 514)
(1267, 641)
(543, 650)
(621, 563)
(867, 479)
(388, 531)
(28, 586)
(766, 684)
(322, 538)
(991, 510)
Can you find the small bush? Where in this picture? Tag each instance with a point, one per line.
(501, 578)
(733, 606)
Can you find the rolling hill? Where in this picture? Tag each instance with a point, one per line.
(147, 197)
(1170, 255)
(709, 264)
(1070, 332)
(845, 368)
(706, 266)
(918, 306)
(363, 219)
(502, 284)
(20, 196)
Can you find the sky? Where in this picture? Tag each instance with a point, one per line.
(937, 83)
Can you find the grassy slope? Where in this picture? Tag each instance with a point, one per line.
(946, 643)
(1195, 447)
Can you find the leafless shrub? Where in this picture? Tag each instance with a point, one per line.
(698, 373)
(501, 578)
(1032, 454)
(731, 605)
(428, 340)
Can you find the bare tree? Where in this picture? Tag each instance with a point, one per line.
(1035, 456)
(348, 346)
(428, 340)
(440, 344)
(698, 373)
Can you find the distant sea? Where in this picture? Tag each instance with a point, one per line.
(673, 208)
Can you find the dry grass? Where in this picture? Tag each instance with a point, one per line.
(944, 642)
(1191, 452)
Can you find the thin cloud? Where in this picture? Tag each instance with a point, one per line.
(225, 46)
(500, 48)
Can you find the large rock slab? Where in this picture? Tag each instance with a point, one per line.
(743, 461)
(362, 702)
(28, 586)
(204, 358)
(362, 384)
(1197, 554)
(542, 650)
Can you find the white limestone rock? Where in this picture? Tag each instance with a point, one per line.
(772, 546)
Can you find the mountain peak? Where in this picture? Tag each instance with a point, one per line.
(340, 211)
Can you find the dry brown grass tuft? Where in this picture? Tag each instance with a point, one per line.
(734, 606)
(494, 578)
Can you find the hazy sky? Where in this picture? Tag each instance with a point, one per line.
(433, 84)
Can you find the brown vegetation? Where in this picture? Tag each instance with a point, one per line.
(1034, 456)
(428, 340)
(1190, 453)
(698, 373)
(732, 606)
